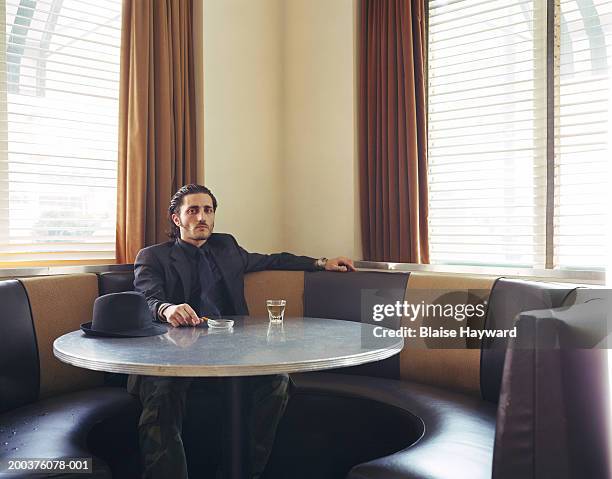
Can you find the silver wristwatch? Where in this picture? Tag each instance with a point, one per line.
(320, 263)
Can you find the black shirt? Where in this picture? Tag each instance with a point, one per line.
(217, 293)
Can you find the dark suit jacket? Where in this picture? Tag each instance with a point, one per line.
(162, 272)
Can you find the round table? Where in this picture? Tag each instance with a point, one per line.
(254, 346)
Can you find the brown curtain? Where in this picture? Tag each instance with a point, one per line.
(393, 131)
(157, 129)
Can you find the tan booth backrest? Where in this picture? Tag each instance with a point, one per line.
(446, 364)
(287, 285)
(59, 305)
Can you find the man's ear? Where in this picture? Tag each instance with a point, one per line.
(175, 219)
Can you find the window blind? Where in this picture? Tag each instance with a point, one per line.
(59, 116)
(489, 106)
(582, 83)
(487, 125)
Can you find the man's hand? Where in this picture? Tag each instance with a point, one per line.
(181, 315)
(341, 263)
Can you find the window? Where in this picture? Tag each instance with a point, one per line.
(518, 137)
(59, 119)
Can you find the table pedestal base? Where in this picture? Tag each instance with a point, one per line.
(237, 464)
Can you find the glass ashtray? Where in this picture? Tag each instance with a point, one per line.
(221, 323)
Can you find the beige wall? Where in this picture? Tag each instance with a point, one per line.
(242, 118)
(279, 142)
(319, 149)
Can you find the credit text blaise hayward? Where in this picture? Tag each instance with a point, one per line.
(412, 311)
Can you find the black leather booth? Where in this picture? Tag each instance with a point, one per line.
(98, 422)
(380, 420)
(365, 421)
(457, 431)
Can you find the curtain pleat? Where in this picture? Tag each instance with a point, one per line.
(393, 131)
(157, 128)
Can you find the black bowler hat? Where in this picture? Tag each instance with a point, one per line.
(122, 315)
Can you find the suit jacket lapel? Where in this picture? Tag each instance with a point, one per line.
(181, 265)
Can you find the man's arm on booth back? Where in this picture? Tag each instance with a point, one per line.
(287, 261)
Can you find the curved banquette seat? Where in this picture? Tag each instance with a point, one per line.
(51, 410)
(96, 423)
(452, 391)
(397, 417)
(429, 412)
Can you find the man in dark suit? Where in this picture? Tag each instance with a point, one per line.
(200, 273)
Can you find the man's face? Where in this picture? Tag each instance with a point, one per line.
(196, 218)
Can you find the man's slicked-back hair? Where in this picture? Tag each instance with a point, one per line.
(177, 201)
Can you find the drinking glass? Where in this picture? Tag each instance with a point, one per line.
(276, 310)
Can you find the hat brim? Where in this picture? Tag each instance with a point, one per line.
(152, 330)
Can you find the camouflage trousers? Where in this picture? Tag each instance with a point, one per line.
(165, 404)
